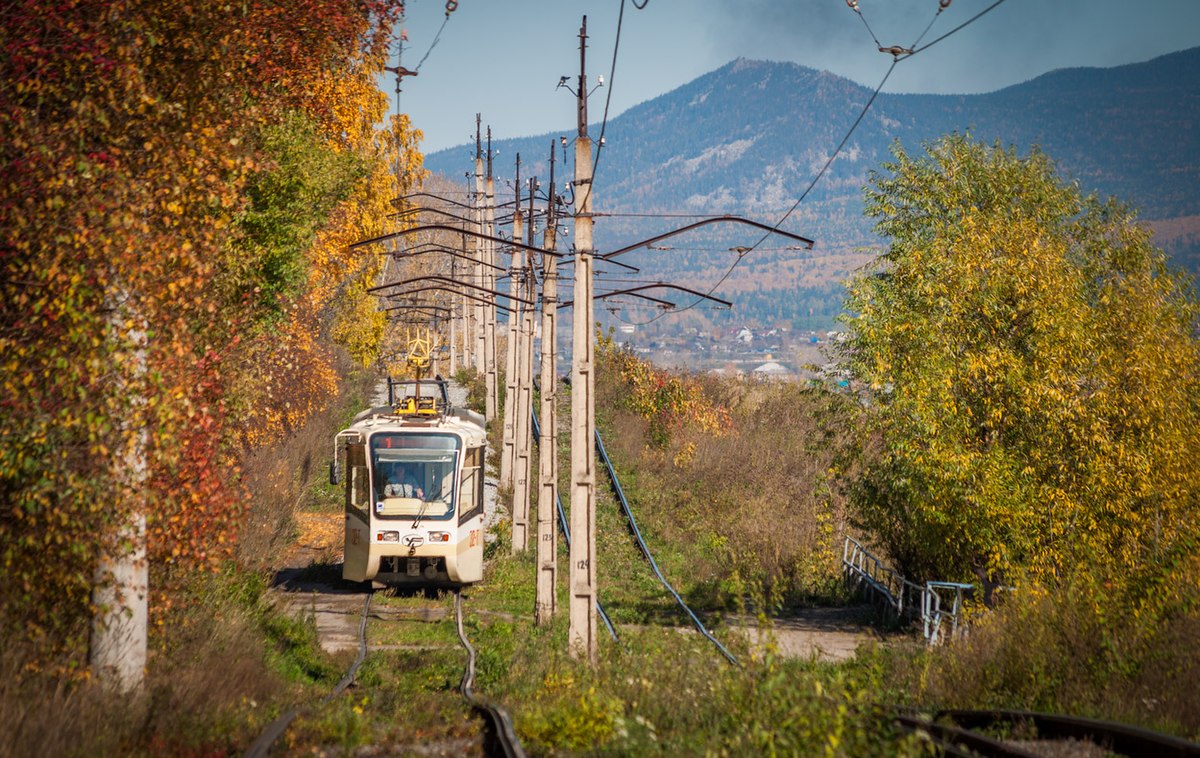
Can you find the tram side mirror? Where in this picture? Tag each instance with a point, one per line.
(333, 472)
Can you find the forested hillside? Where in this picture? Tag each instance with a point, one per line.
(748, 137)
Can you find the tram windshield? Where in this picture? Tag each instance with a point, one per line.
(412, 475)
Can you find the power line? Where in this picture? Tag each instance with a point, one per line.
(741, 255)
(612, 71)
(896, 58)
(450, 8)
(854, 7)
(432, 45)
(956, 29)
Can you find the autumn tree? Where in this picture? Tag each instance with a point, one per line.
(178, 183)
(1031, 372)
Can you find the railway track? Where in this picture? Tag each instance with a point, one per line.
(956, 732)
(499, 737)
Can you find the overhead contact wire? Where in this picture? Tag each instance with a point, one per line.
(895, 60)
(436, 38)
(953, 31)
(862, 114)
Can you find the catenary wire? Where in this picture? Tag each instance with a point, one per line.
(854, 7)
(862, 114)
(436, 38)
(895, 60)
(612, 71)
(956, 29)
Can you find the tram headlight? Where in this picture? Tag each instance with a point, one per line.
(439, 536)
(387, 536)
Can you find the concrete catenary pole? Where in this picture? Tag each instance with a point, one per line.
(491, 381)
(452, 318)
(480, 312)
(508, 442)
(581, 634)
(523, 407)
(513, 371)
(547, 536)
(466, 314)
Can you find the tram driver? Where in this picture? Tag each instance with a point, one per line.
(402, 482)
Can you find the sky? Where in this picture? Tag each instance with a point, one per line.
(503, 58)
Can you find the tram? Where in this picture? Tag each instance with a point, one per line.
(414, 474)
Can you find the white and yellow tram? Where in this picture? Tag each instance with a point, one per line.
(414, 473)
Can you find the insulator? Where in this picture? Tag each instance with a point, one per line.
(944, 4)
(853, 4)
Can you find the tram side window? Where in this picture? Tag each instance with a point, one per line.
(470, 500)
(358, 493)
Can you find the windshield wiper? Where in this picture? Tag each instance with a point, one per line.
(420, 513)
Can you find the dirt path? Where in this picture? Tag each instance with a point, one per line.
(829, 634)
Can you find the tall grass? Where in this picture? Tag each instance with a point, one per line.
(222, 661)
(756, 502)
(1079, 651)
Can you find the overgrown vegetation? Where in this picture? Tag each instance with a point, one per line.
(175, 229)
(1030, 370)
(1033, 374)
(743, 473)
(181, 183)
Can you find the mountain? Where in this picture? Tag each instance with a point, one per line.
(748, 137)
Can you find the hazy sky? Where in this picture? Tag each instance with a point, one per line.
(503, 58)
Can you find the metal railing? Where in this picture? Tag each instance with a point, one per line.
(936, 604)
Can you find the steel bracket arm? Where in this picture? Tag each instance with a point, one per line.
(451, 290)
(448, 281)
(704, 222)
(455, 230)
(434, 248)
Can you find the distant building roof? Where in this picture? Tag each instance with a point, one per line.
(772, 368)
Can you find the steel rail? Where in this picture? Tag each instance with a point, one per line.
(261, 747)
(1121, 738)
(951, 740)
(637, 535)
(497, 717)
